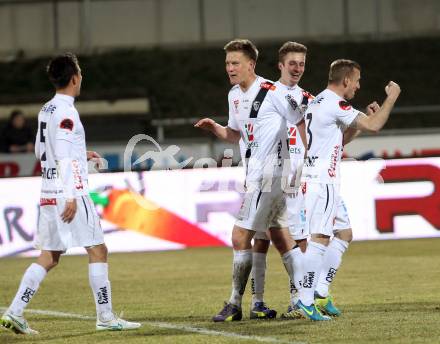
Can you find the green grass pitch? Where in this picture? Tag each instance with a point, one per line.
(389, 292)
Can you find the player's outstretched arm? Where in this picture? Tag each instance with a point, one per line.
(223, 133)
(351, 133)
(376, 121)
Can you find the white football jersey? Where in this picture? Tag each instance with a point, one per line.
(327, 117)
(59, 121)
(268, 151)
(295, 145)
(240, 103)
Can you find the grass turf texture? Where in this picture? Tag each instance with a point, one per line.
(388, 292)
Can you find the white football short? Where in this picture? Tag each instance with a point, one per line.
(342, 221)
(296, 215)
(55, 235)
(263, 208)
(321, 203)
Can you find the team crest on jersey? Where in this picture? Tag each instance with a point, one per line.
(344, 105)
(256, 105)
(268, 86)
(67, 123)
(249, 128)
(236, 102)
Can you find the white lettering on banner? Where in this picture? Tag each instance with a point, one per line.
(207, 201)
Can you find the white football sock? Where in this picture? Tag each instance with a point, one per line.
(292, 263)
(29, 284)
(332, 261)
(241, 268)
(295, 286)
(312, 263)
(258, 275)
(102, 293)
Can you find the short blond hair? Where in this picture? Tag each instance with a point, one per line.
(291, 47)
(245, 46)
(341, 69)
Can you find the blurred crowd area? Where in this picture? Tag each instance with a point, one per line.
(180, 85)
(158, 67)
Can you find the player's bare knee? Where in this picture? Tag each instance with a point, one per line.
(282, 240)
(261, 245)
(302, 244)
(242, 238)
(345, 234)
(97, 254)
(320, 239)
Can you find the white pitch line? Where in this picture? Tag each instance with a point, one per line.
(184, 328)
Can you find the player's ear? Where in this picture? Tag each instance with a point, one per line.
(345, 81)
(280, 65)
(74, 79)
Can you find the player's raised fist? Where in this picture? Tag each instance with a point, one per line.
(372, 108)
(206, 124)
(392, 89)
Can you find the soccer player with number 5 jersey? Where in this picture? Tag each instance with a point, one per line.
(67, 216)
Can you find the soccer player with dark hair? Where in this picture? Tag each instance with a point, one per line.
(67, 216)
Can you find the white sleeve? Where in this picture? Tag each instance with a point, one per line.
(345, 113)
(232, 121)
(287, 107)
(67, 165)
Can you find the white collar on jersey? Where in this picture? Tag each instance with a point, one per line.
(289, 88)
(65, 97)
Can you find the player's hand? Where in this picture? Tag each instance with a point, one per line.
(92, 155)
(96, 158)
(372, 108)
(392, 90)
(206, 124)
(69, 211)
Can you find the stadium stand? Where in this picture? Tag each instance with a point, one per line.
(190, 83)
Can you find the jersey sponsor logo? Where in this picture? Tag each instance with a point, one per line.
(48, 201)
(236, 102)
(344, 105)
(49, 173)
(249, 128)
(333, 161)
(292, 135)
(49, 108)
(77, 175)
(291, 141)
(66, 123)
(268, 86)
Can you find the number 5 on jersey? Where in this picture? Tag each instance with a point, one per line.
(43, 140)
